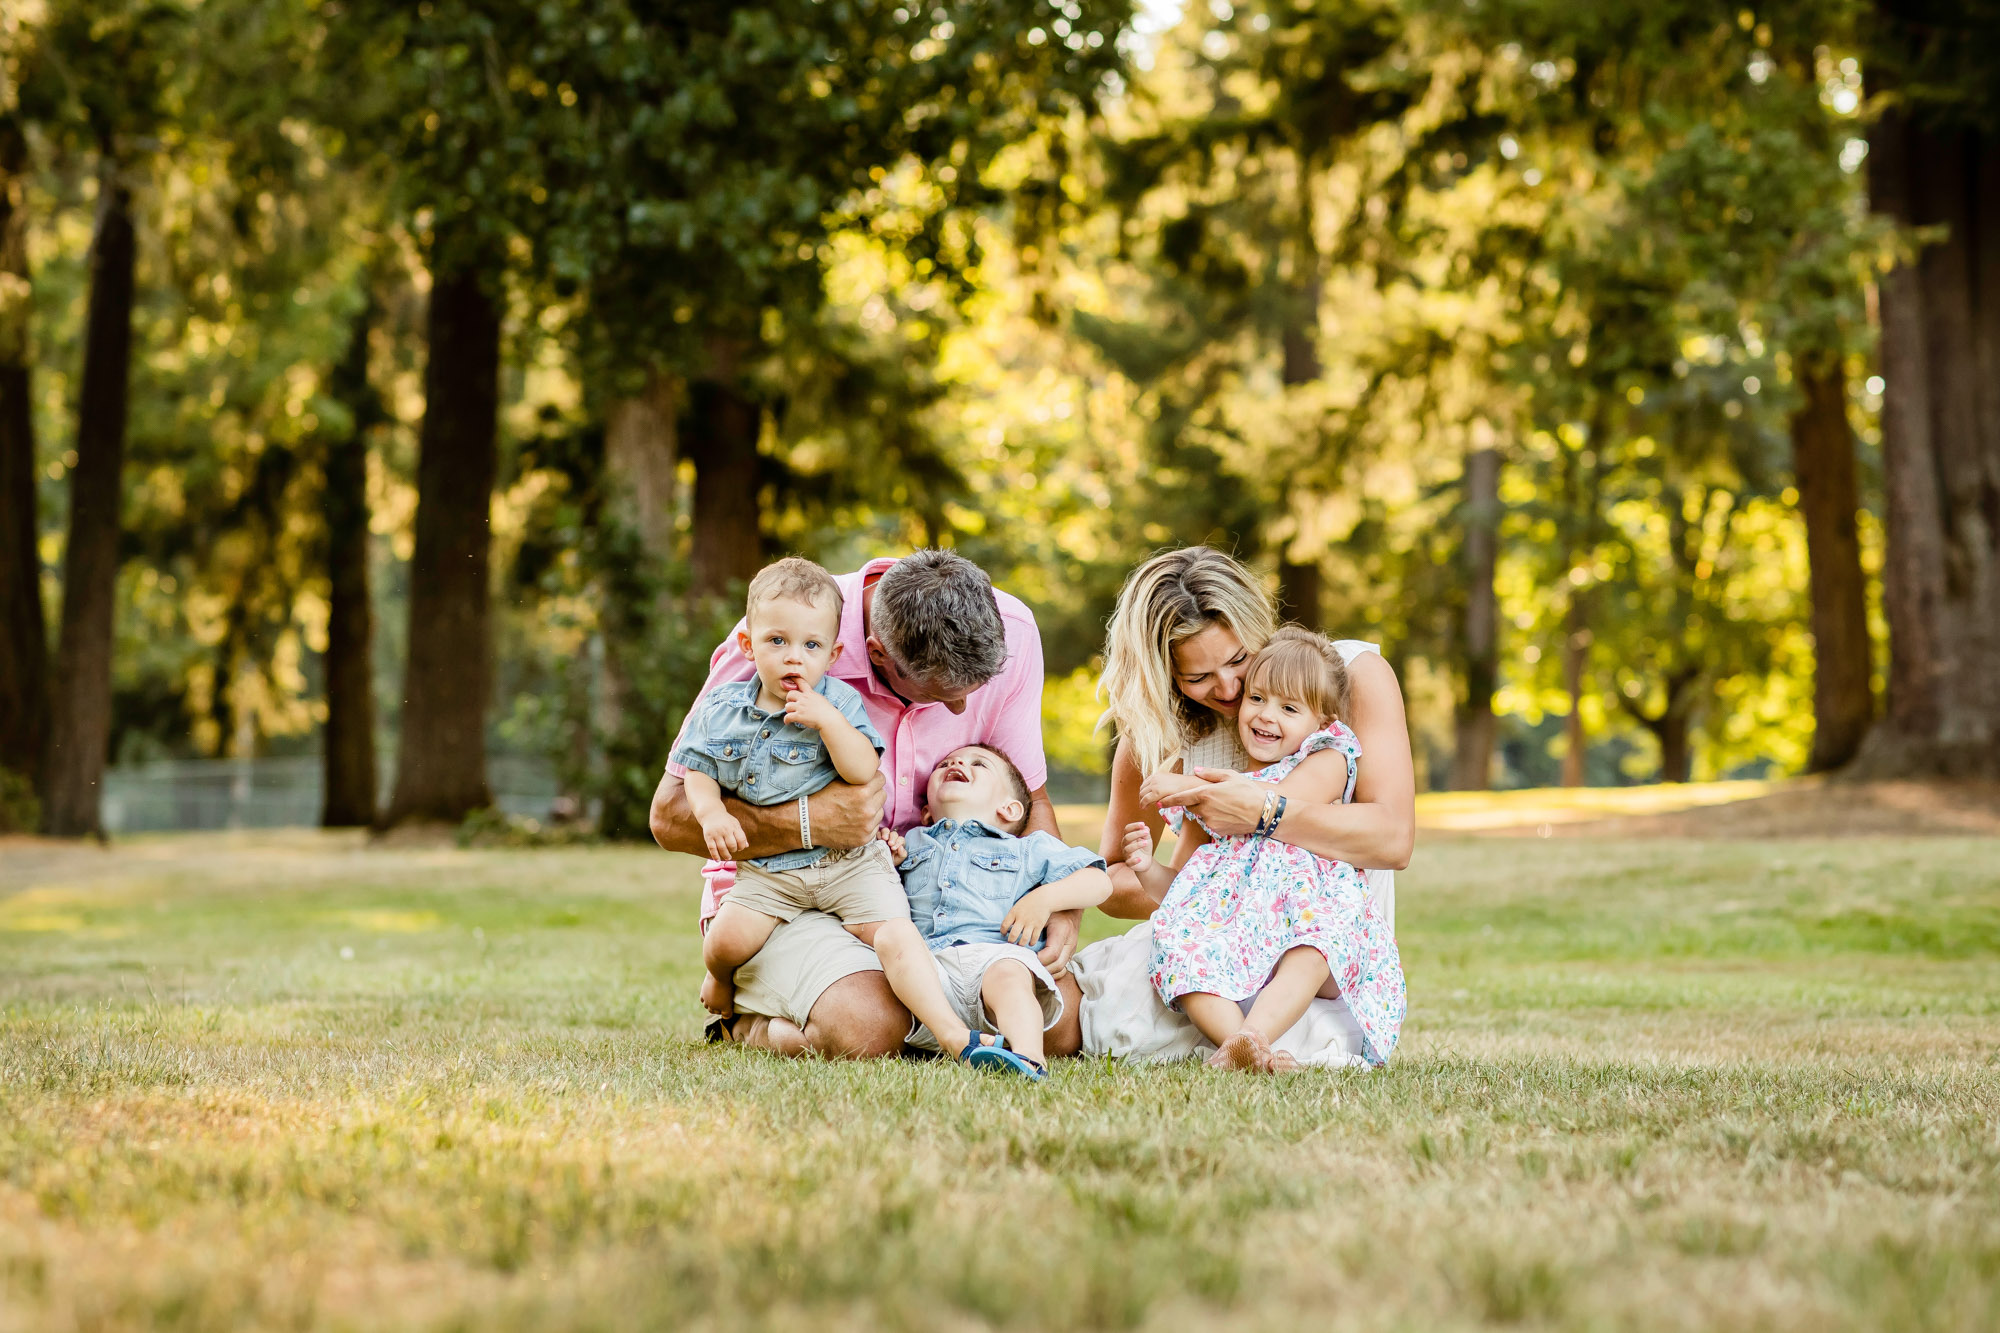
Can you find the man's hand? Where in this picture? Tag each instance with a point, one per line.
(897, 849)
(724, 835)
(845, 815)
(1060, 946)
(809, 709)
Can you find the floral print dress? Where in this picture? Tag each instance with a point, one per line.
(1239, 904)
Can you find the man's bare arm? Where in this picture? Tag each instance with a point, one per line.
(1042, 813)
(843, 815)
(1064, 925)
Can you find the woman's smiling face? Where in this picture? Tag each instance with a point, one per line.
(1209, 668)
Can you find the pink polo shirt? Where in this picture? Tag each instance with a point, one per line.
(1005, 712)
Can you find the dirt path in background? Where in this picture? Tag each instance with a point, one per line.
(1808, 810)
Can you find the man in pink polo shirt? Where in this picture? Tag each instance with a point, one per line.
(941, 660)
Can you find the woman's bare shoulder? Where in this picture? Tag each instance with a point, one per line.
(1371, 678)
(1122, 760)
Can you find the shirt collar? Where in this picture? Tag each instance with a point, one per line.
(854, 666)
(975, 828)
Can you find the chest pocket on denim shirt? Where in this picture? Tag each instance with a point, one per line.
(728, 757)
(997, 868)
(795, 752)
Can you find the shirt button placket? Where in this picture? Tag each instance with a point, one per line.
(905, 761)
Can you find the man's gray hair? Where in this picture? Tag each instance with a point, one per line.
(936, 614)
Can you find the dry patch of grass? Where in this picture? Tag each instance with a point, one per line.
(295, 1082)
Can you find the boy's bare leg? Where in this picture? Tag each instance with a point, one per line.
(1300, 975)
(733, 939)
(1008, 990)
(906, 962)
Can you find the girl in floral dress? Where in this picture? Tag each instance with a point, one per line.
(1253, 916)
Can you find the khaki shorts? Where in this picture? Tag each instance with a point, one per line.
(802, 958)
(963, 967)
(858, 886)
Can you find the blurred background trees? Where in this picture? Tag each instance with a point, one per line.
(424, 380)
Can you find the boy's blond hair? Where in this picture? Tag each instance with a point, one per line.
(795, 578)
(1302, 665)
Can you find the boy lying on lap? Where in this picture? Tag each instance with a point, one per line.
(982, 889)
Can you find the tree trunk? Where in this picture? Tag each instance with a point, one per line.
(24, 635)
(640, 457)
(441, 752)
(1299, 593)
(1472, 759)
(1829, 498)
(82, 704)
(1941, 453)
(350, 632)
(723, 427)
(1576, 654)
(1676, 759)
(640, 461)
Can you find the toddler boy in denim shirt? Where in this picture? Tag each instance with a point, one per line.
(981, 894)
(781, 737)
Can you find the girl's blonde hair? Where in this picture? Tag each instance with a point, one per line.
(1305, 666)
(1168, 600)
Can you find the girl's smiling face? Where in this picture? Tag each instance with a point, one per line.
(1271, 725)
(1209, 667)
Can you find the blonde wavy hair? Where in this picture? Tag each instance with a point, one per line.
(1168, 600)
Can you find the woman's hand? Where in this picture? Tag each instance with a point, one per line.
(1229, 803)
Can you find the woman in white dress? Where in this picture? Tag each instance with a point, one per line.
(1187, 624)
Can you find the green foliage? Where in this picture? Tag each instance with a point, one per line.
(20, 809)
(1010, 277)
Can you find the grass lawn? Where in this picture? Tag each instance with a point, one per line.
(293, 1081)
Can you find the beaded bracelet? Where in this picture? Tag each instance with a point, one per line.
(805, 823)
(1264, 820)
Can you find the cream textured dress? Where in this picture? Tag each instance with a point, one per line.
(1122, 1014)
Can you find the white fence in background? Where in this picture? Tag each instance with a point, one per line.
(184, 794)
(179, 794)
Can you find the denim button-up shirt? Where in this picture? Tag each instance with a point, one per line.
(760, 758)
(963, 877)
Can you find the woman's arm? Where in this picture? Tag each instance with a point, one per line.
(1379, 829)
(1129, 899)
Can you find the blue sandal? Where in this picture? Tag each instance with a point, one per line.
(987, 1051)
